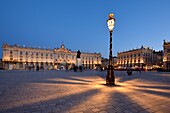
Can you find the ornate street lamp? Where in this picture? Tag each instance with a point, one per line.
(110, 78)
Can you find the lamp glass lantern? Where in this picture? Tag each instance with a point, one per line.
(111, 22)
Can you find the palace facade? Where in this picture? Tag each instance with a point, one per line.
(166, 57)
(28, 58)
(136, 58)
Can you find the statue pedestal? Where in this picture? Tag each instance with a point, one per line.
(78, 62)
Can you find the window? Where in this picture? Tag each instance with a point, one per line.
(11, 56)
(168, 50)
(37, 53)
(138, 60)
(135, 60)
(51, 56)
(62, 56)
(32, 55)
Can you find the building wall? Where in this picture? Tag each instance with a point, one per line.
(26, 58)
(1, 64)
(136, 58)
(166, 57)
(157, 59)
(114, 61)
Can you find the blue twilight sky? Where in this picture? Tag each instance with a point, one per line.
(81, 24)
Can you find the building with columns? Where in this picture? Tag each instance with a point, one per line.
(166, 56)
(29, 58)
(136, 58)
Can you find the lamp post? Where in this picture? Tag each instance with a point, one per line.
(110, 78)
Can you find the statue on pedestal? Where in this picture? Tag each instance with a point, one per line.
(78, 54)
(78, 62)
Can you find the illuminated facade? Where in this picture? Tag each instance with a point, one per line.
(136, 58)
(29, 58)
(166, 57)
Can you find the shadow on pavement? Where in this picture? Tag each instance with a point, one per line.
(123, 104)
(156, 87)
(63, 82)
(55, 105)
(77, 79)
(157, 93)
(116, 85)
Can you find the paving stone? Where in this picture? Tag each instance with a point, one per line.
(103, 112)
(70, 92)
(96, 110)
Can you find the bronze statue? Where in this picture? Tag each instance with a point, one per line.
(78, 54)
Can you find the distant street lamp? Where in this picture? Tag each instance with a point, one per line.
(110, 78)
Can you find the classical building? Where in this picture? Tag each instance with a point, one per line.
(136, 58)
(114, 61)
(157, 59)
(27, 58)
(105, 62)
(166, 57)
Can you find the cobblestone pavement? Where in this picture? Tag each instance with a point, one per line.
(83, 92)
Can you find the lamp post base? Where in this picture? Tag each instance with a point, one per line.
(110, 78)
